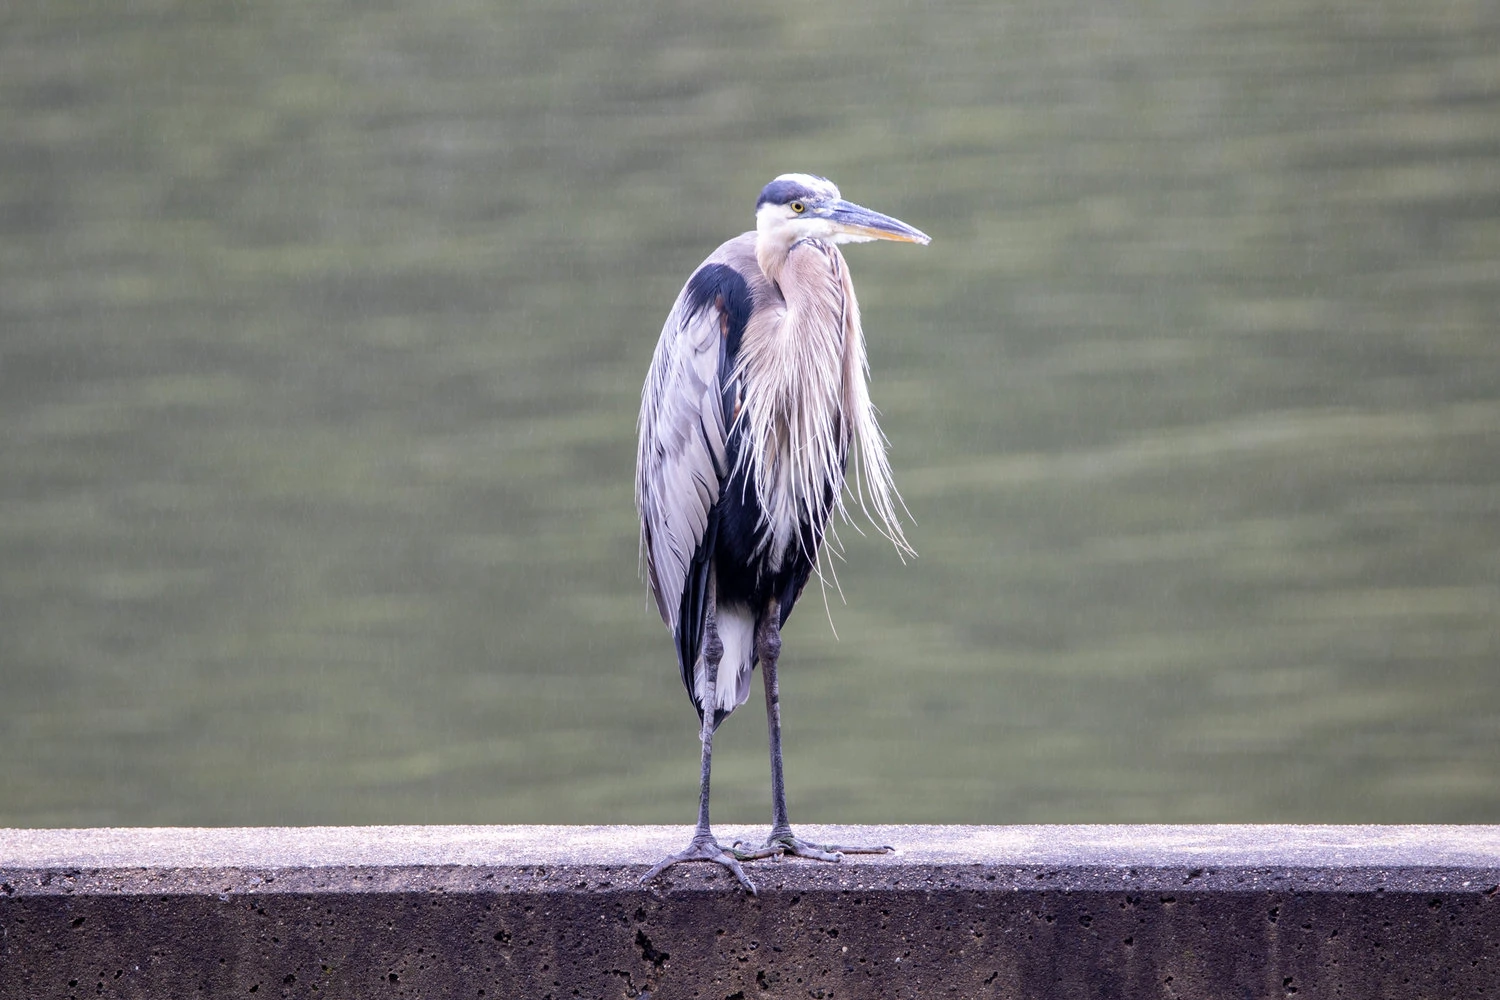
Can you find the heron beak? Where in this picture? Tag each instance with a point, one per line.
(856, 224)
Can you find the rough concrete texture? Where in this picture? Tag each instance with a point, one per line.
(538, 912)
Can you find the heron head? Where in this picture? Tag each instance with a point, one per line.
(803, 206)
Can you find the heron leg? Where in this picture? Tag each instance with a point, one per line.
(768, 649)
(704, 847)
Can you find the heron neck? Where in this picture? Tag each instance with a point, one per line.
(771, 251)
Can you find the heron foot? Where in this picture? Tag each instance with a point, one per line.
(785, 842)
(706, 848)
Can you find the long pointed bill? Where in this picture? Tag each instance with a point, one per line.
(856, 224)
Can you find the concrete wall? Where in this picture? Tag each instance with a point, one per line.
(537, 912)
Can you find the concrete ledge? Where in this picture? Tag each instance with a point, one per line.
(533, 912)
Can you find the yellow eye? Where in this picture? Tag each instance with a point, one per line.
(798, 207)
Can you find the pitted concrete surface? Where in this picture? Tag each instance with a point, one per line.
(1058, 911)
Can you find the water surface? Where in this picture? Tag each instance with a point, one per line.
(321, 337)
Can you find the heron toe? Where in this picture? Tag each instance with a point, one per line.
(708, 849)
(789, 844)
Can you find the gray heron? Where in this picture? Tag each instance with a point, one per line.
(755, 402)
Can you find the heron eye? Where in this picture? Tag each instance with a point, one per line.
(798, 207)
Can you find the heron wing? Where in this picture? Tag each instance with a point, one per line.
(681, 461)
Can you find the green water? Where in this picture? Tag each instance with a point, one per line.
(322, 329)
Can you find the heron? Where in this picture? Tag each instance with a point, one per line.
(756, 398)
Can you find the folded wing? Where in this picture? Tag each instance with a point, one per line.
(681, 462)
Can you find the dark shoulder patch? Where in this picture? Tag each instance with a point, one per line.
(721, 286)
(725, 290)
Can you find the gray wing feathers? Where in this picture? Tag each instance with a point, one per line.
(680, 460)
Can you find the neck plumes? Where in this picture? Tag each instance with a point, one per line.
(806, 401)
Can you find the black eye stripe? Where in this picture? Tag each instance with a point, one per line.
(784, 192)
